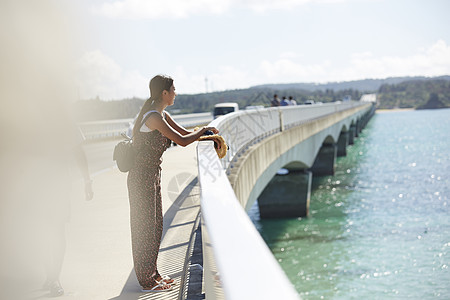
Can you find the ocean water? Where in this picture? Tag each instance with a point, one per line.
(380, 227)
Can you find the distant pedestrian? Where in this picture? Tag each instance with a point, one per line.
(292, 101)
(275, 101)
(144, 180)
(284, 102)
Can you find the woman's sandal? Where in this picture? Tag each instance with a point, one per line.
(167, 280)
(155, 288)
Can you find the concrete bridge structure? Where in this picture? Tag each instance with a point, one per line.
(303, 150)
(302, 140)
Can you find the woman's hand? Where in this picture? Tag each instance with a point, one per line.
(213, 129)
(156, 121)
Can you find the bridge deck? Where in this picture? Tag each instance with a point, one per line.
(98, 262)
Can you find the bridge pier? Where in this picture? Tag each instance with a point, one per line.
(286, 196)
(325, 161)
(342, 143)
(351, 135)
(358, 128)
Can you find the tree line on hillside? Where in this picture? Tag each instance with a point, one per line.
(414, 94)
(417, 93)
(96, 109)
(360, 85)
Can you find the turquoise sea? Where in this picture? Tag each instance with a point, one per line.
(380, 227)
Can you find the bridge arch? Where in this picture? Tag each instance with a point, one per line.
(345, 128)
(300, 154)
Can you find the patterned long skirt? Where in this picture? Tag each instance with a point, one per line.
(144, 191)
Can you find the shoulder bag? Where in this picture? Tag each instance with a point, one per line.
(125, 151)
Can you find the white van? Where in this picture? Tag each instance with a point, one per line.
(221, 109)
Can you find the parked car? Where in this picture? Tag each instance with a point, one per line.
(221, 109)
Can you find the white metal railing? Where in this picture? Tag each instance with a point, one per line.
(242, 128)
(102, 129)
(191, 120)
(112, 128)
(237, 262)
(239, 128)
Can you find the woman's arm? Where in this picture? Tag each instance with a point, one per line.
(180, 129)
(156, 122)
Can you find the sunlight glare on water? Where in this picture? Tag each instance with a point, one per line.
(380, 227)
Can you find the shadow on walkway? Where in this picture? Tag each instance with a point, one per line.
(180, 224)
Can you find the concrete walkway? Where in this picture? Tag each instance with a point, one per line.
(98, 263)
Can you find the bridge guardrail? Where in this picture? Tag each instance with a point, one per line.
(236, 261)
(114, 128)
(233, 249)
(104, 129)
(243, 128)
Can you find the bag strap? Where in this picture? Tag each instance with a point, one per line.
(145, 119)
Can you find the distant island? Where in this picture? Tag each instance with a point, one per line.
(433, 103)
(396, 92)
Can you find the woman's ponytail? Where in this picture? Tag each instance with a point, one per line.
(157, 85)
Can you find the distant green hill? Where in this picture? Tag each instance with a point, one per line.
(433, 103)
(401, 92)
(415, 94)
(360, 85)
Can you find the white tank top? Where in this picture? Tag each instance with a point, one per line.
(144, 127)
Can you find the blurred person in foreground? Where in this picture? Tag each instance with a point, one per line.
(39, 143)
(37, 178)
(58, 206)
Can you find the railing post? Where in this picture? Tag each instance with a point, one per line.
(280, 114)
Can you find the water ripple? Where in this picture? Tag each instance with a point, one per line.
(380, 227)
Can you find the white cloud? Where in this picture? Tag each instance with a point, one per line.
(290, 55)
(225, 78)
(102, 76)
(431, 61)
(186, 82)
(157, 9)
(261, 6)
(228, 77)
(99, 75)
(287, 70)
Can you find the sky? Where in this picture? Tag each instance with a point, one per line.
(215, 45)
